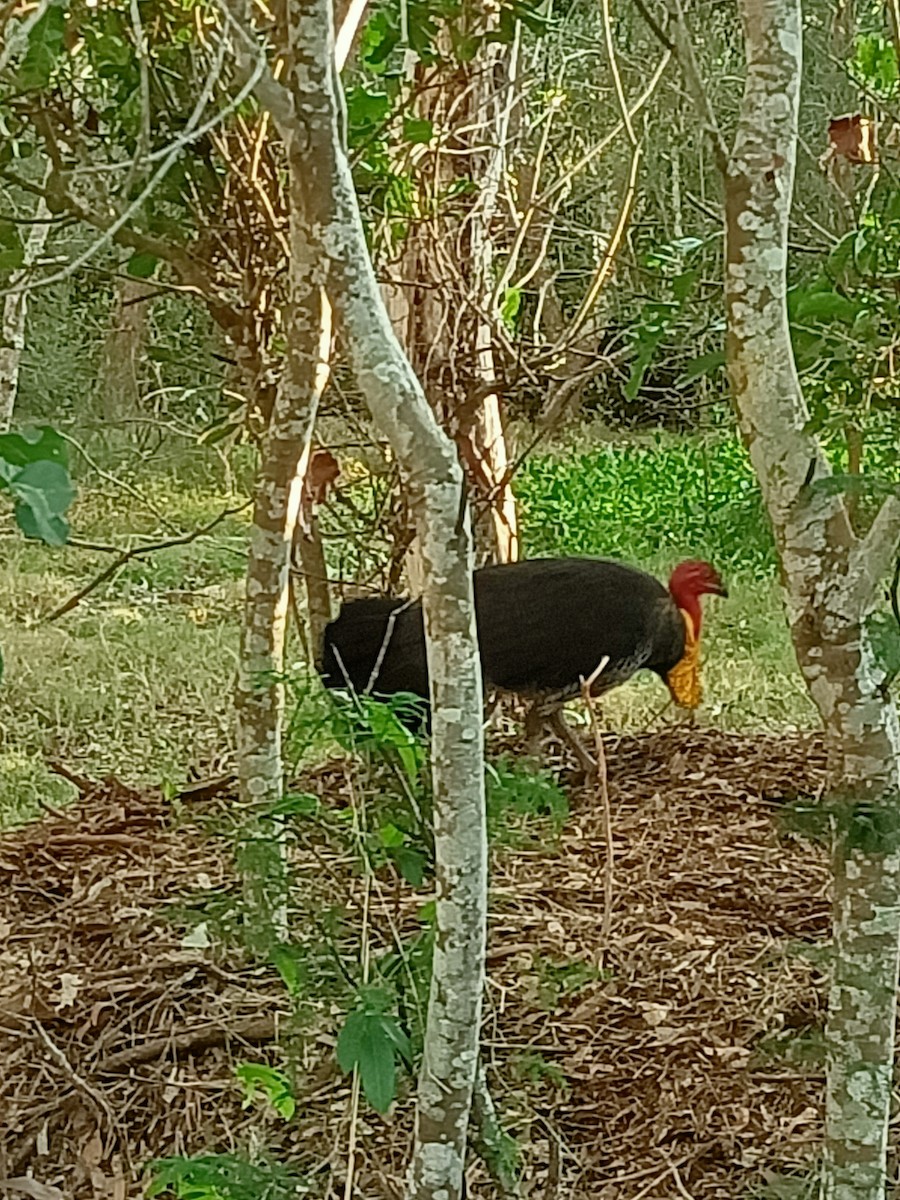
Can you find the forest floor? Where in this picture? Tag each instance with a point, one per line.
(677, 1056)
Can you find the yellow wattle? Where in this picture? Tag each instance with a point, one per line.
(684, 678)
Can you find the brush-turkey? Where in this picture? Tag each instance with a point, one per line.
(543, 626)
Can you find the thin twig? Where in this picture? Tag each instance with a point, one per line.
(139, 552)
(97, 1098)
(602, 790)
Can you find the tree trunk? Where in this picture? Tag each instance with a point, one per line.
(306, 106)
(259, 696)
(12, 319)
(118, 382)
(830, 579)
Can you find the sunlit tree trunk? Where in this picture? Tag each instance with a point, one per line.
(13, 315)
(830, 579)
(306, 106)
(284, 458)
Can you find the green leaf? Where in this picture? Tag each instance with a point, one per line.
(411, 865)
(391, 837)
(303, 805)
(826, 306)
(417, 130)
(370, 1042)
(509, 308)
(366, 108)
(33, 445)
(141, 266)
(2, 666)
(43, 491)
(289, 965)
(12, 248)
(697, 368)
(257, 1080)
(884, 638)
(45, 43)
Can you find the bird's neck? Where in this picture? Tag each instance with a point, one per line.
(689, 602)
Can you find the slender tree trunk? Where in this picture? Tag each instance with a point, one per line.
(830, 579)
(118, 383)
(306, 106)
(285, 454)
(12, 318)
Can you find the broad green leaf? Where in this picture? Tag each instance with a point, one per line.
(365, 107)
(45, 44)
(370, 1041)
(411, 865)
(43, 491)
(141, 266)
(33, 445)
(826, 306)
(12, 248)
(417, 130)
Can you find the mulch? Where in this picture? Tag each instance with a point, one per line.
(639, 1066)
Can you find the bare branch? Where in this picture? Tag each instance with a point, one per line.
(138, 552)
(874, 555)
(687, 60)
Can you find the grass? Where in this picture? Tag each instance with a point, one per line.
(137, 679)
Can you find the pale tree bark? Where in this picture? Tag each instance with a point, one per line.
(306, 107)
(13, 316)
(830, 578)
(284, 458)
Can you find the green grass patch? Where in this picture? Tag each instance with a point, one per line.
(650, 502)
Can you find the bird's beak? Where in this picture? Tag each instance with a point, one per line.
(721, 590)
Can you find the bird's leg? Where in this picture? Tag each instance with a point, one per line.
(534, 723)
(558, 723)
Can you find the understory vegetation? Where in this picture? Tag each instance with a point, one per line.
(136, 678)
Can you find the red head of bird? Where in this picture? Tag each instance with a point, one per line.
(689, 581)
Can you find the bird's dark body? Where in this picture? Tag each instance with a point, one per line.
(543, 625)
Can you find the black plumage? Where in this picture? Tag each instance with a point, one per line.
(543, 625)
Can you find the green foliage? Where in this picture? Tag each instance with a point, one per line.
(646, 502)
(884, 640)
(45, 44)
(535, 1069)
(371, 726)
(372, 1042)
(871, 827)
(34, 468)
(12, 248)
(874, 65)
(274, 1087)
(558, 979)
(515, 792)
(656, 318)
(223, 1177)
